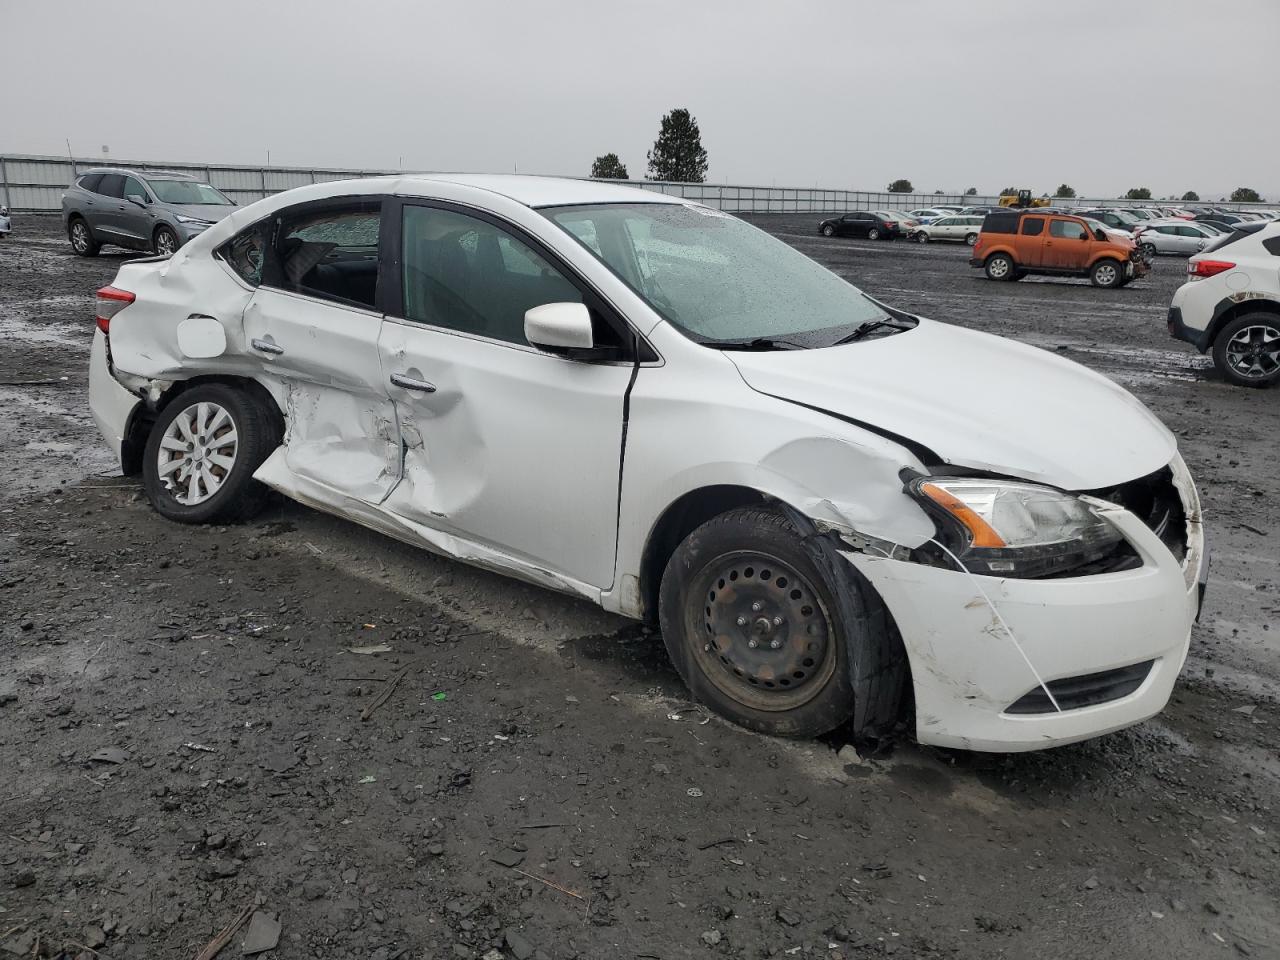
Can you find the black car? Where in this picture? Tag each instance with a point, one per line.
(861, 223)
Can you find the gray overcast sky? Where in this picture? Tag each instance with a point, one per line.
(1102, 94)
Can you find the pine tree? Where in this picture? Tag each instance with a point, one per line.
(677, 154)
(609, 167)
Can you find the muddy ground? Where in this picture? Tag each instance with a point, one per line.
(536, 784)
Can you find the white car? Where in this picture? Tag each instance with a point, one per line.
(1230, 304)
(6, 224)
(653, 405)
(928, 214)
(964, 229)
(1176, 236)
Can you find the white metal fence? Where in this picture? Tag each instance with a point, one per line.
(35, 183)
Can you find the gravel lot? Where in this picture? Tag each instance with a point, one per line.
(536, 784)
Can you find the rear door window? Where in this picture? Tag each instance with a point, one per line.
(330, 252)
(90, 182)
(111, 185)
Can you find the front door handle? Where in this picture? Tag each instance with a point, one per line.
(409, 383)
(266, 346)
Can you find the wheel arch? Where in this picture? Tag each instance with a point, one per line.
(680, 518)
(145, 415)
(1228, 309)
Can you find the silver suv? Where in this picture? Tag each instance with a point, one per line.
(152, 211)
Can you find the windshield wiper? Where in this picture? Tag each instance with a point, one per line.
(756, 343)
(870, 325)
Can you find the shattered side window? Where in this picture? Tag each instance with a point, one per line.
(245, 252)
(330, 253)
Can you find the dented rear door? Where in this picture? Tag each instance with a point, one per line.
(314, 326)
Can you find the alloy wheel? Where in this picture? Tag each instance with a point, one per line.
(166, 243)
(1106, 275)
(1254, 351)
(80, 236)
(198, 452)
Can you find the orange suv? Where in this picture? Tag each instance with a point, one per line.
(1014, 243)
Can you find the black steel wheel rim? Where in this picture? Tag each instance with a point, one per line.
(762, 634)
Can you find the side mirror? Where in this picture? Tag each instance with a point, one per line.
(1084, 236)
(560, 328)
(135, 198)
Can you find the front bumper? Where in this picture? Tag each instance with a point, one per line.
(967, 671)
(111, 405)
(189, 231)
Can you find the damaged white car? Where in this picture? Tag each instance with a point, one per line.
(836, 511)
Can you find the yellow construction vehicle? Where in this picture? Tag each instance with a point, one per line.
(1023, 199)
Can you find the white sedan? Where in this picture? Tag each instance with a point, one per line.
(964, 229)
(1176, 236)
(651, 404)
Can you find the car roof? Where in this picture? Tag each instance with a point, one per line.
(144, 174)
(537, 191)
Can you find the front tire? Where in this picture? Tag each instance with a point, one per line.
(201, 454)
(828, 231)
(999, 266)
(1247, 350)
(922, 237)
(1107, 274)
(753, 629)
(166, 242)
(1149, 251)
(81, 237)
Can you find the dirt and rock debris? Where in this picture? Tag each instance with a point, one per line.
(183, 754)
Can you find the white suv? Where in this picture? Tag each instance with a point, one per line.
(1230, 304)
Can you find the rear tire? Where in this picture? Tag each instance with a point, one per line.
(81, 237)
(970, 239)
(1107, 273)
(202, 452)
(873, 233)
(752, 626)
(1000, 266)
(1247, 350)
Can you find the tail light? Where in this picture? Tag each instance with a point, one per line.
(1200, 269)
(111, 300)
(890, 223)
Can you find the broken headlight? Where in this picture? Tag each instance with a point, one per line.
(1009, 529)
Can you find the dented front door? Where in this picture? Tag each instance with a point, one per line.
(511, 449)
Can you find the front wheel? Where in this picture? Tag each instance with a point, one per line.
(1106, 273)
(752, 626)
(1247, 350)
(166, 242)
(202, 452)
(873, 233)
(828, 231)
(999, 267)
(922, 237)
(1149, 251)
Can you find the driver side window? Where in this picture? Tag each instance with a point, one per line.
(1067, 229)
(466, 274)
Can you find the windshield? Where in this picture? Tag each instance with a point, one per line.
(716, 278)
(188, 191)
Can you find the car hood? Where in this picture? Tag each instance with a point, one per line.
(978, 401)
(213, 212)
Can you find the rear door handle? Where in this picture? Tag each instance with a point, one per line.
(409, 383)
(266, 346)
